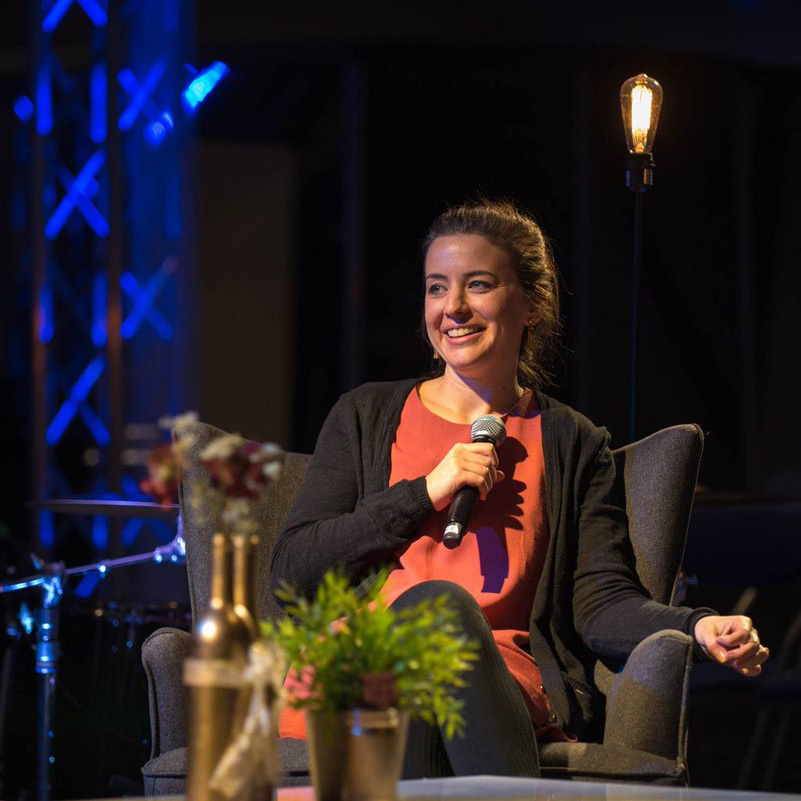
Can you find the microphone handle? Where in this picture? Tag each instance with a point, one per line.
(459, 514)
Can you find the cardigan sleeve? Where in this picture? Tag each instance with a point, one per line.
(612, 610)
(333, 523)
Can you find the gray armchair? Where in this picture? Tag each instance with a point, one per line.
(645, 727)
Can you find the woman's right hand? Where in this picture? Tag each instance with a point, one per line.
(466, 464)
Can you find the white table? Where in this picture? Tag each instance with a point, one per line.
(490, 788)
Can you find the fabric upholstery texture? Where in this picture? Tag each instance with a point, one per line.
(163, 656)
(595, 762)
(645, 728)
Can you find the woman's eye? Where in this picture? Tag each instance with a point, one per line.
(435, 289)
(480, 285)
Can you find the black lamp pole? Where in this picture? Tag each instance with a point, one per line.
(639, 179)
(640, 104)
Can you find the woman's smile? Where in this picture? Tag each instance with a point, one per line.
(463, 332)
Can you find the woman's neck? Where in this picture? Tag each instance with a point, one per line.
(461, 399)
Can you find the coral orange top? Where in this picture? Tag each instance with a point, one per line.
(501, 556)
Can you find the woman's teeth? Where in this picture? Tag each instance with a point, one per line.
(454, 333)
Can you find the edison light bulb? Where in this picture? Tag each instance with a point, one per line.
(640, 103)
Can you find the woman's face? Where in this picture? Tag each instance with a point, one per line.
(475, 308)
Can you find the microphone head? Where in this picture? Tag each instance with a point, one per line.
(489, 428)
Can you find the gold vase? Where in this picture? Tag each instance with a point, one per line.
(356, 755)
(220, 643)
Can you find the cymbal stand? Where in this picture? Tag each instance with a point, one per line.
(14, 624)
(48, 649)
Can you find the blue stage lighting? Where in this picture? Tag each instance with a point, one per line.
(55, 14)
(94, 423)
(69, 408)
(130, 532)
(44, 101)
(77, 195)
(131, 489)
(100, 532)
(100, 298)
(88, 583)
(143, 299)
(202, 84)
(97, 104)
(173, 206)
(139, 92)
(47, 529)
(23, 108)
(95, 11)
(93, 8)
(26, 619)
(46, 314)
(157, 130)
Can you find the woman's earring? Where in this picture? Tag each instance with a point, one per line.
(436, 356)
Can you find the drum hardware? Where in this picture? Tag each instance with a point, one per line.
(50, 582)
(107, 508)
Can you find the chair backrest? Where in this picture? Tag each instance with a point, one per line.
(198, 526)
(659, 474)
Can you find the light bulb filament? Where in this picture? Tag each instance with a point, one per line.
(641, 97)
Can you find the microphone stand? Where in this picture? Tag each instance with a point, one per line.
(48, 650)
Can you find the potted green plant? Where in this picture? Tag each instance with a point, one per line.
(362, 669)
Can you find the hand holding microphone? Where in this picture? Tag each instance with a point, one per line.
(468, 471)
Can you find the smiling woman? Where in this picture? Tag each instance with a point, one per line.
(543, 578)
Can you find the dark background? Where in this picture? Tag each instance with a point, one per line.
(386, 113)
(343, 129)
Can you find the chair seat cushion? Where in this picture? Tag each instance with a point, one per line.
(595, 762)
(166, 773)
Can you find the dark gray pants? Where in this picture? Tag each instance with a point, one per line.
(499, 736)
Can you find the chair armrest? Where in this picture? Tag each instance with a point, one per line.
(163, 656)
(646, 708)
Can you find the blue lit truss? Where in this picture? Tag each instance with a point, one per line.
(95, 10)
(139, 93)
(68, 110)
(143, 302)
(77, 197)
(73, 302)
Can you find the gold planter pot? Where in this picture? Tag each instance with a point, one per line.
(356, 755)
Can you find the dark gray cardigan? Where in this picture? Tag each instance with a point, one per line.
(588, 601)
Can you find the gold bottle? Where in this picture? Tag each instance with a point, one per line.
(220, 644)
(244, 566)
(244, 552)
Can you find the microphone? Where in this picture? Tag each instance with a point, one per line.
(484, 429)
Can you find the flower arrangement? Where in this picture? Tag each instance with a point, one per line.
(239, 472)
(163, 474)
(348, 652)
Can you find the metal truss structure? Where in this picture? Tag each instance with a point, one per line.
(109, 109)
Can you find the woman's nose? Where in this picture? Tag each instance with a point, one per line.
(456, 304)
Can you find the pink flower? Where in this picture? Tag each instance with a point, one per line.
(298, 683)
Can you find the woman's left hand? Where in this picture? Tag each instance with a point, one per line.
(732, 641)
